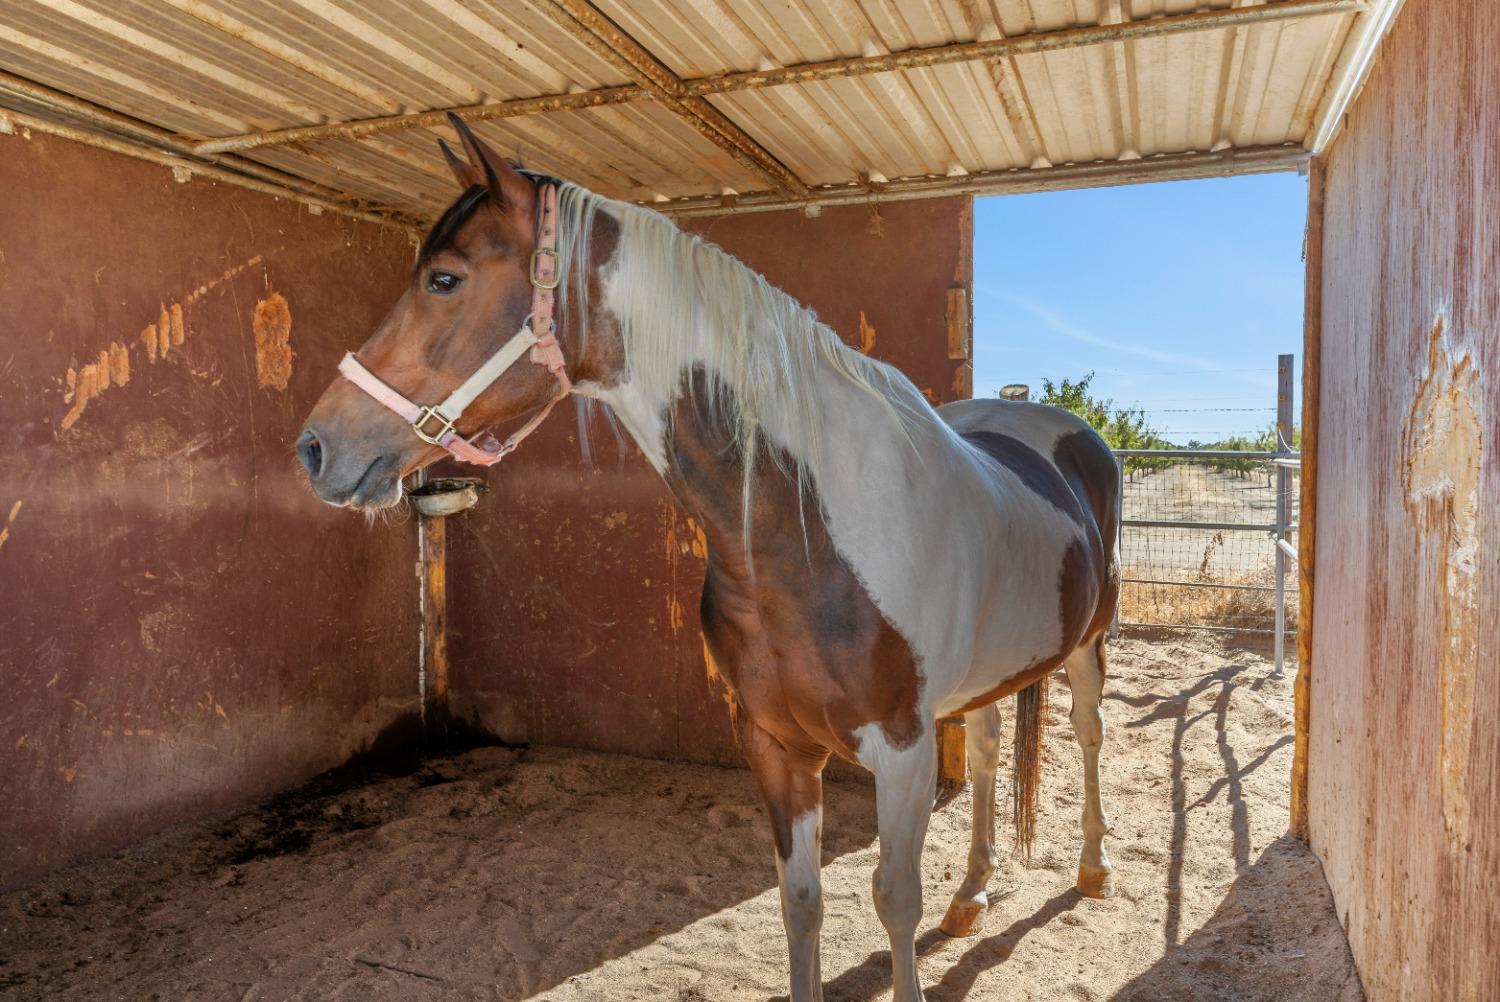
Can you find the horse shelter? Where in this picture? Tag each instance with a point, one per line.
(205, 203)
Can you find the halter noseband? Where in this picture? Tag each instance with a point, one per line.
(482, 448)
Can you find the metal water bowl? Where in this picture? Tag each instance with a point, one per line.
(447, 496)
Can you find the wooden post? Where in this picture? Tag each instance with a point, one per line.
(1312, 341)
(953, 761)
(958, 322)
(434, 574)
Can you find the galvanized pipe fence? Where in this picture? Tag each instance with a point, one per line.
(1214, 503)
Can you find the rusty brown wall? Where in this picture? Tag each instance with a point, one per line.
(183, 626)
(1404, 780)
(574, 591)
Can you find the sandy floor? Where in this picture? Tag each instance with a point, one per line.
(505, 874)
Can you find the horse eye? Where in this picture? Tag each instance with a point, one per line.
(442, 282)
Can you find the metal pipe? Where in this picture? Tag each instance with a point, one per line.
(1193, 626)
(136, 131)
(725, 83)
(1020, 180)
(1349, 72)
(1198, 454)
(1151, 523)
(360, 128)
(1284, 435)
(1196, 584)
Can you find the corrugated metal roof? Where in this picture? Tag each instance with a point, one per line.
(196, 70)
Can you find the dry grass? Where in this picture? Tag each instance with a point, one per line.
(1185, 605)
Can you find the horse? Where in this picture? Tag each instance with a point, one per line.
(873, 565)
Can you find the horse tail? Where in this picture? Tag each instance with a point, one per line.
(1026, 762)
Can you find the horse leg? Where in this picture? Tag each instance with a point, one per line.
(792, 785)
(982, 735)
(905, 787)
(1086, 669)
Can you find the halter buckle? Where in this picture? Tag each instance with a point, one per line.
(536, 278)
(428, 413)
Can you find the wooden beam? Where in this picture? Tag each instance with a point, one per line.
(606, 38)
(1312, 348)
(725, 83)
(434, 571)
(953, 758)
(1022, 180)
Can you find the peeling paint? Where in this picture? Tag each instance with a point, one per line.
(84, 384)
(866, 334)
(1442, 446)
(10, 520)
(112, 367)
(273, 341)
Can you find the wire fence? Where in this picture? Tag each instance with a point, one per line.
(1198, 540)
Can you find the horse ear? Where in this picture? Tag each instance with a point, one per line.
(468, 175)
(505, 185)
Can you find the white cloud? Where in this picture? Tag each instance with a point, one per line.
(1061, 326)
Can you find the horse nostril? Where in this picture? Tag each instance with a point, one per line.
(310, 451)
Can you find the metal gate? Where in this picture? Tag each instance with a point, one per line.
(1205, 537)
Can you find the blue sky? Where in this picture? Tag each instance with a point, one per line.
(1178, 295)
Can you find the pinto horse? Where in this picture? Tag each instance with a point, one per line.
(874, 565)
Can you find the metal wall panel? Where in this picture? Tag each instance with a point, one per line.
(1404, 770)
(574, 591)
(183, 625)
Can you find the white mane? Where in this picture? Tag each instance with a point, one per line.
(682, 303)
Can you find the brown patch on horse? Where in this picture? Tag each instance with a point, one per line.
(804, 650)
(1039, 475)
(1079, 481)
(1090, 469)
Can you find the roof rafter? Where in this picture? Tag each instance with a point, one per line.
(606, 38)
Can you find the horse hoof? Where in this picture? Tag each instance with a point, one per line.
(1096, 881)
(964, 918)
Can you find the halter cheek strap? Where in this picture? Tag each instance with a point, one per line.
(435, 424)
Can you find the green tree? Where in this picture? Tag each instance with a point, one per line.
(1120, 427)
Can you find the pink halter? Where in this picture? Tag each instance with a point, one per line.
(482, 448)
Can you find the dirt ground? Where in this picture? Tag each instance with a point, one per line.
(563, 875)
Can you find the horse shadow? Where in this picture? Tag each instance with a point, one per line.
(871, 977)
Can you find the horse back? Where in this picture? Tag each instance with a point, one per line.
(1058, 456)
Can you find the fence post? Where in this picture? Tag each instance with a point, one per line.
(1114, 619)
(1284, 446)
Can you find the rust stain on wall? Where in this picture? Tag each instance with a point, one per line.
(866, 334)
(273, 341)
(1442, 444)
(112, 368)
(10, 520)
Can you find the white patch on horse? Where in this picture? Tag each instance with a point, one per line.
(802, 903)
(919, 515)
